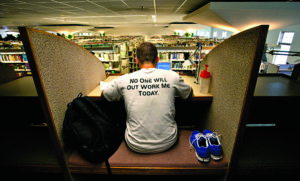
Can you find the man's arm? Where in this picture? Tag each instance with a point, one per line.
(102, 96)
(191, 94)
(183, 89)
(111, 92)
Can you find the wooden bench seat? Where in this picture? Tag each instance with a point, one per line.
(180, 159)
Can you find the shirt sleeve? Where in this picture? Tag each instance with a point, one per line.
(183, 89)
(112, 92)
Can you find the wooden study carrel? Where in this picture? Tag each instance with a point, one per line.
(62, 69)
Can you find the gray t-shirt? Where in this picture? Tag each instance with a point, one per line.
(149, 96)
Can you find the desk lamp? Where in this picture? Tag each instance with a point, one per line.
(198, 50)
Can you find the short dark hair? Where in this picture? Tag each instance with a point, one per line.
(147, 52)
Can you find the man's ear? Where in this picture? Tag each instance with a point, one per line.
(137, 60)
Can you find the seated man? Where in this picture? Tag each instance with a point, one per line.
(149, 96)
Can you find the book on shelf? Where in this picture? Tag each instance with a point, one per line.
(174, 56)
(107, 56)
(177, 65)
(177, 56)
(21, 67)
(198, 56)
(185, 65)
(10, 58)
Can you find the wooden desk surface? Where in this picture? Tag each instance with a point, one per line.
(22, 87)
(276, 86)
(95, 94)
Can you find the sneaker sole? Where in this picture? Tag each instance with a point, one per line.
(216, 158)
(198, 157)
(202, 159)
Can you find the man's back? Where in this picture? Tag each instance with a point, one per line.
(149, 96)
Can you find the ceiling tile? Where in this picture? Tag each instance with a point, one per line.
(120, 13)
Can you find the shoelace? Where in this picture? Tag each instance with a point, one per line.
(197, 136)
(214, 135)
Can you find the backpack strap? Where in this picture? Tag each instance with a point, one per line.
(108, 167)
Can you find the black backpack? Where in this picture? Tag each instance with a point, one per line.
(91, 131)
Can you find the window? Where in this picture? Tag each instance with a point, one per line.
(285, 40)
(286, 37)
(224, 34)
(215, 34)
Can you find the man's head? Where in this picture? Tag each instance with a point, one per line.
(147, 53)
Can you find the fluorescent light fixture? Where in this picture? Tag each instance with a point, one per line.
(124, 3)
(154, 18)
(180, 6)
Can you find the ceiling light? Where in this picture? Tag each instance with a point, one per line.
(154, 5)
(154, 18)
(180, 6)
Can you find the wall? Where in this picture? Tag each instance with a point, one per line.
(272, 38)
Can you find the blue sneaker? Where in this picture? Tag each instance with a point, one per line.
(214, 145)
(200, 144)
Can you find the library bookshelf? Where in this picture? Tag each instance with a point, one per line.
(109, 56)
(16, 58)
(179, 57)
